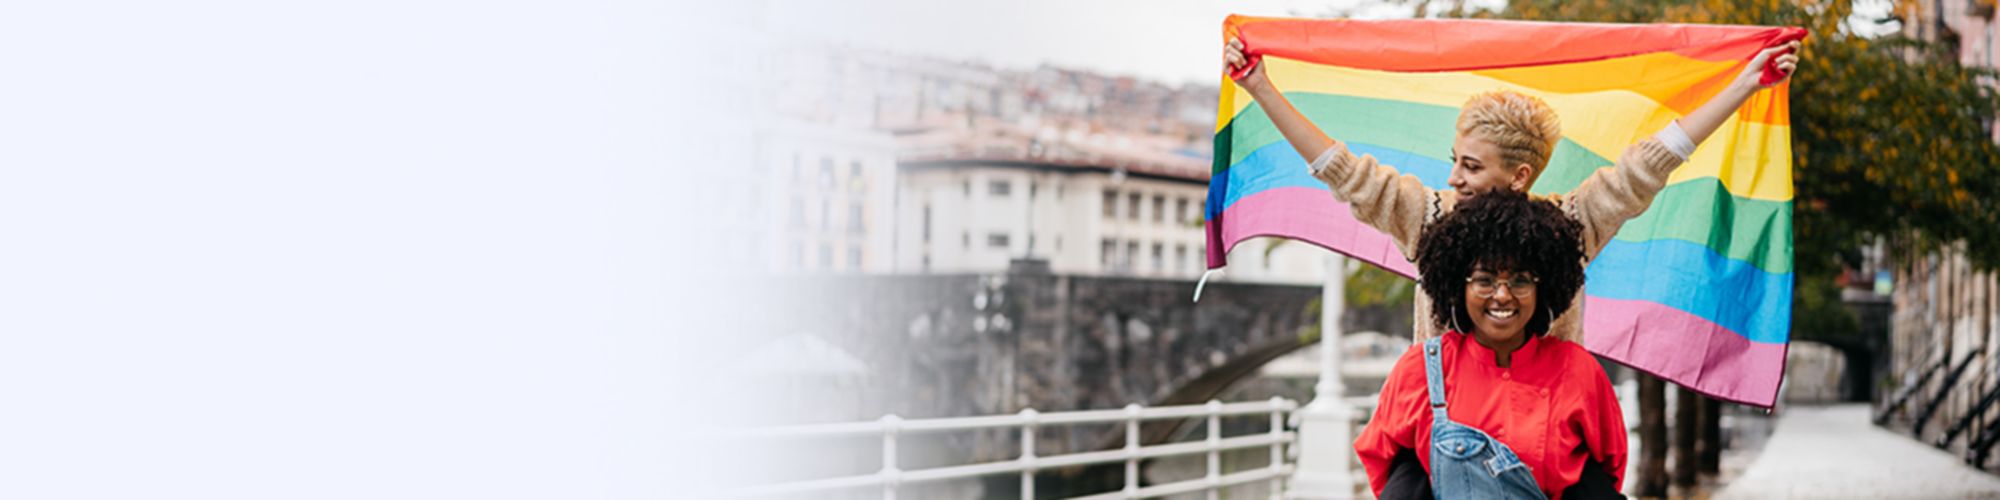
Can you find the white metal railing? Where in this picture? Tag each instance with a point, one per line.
(891, 477)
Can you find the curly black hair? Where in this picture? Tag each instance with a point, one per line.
(1506, 232)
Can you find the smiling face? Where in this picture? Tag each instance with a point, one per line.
(1477, 167)
(1500, 304)
(1501, 267)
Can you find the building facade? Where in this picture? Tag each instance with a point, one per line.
(832, 198)
(1945, 351)
(977, 215)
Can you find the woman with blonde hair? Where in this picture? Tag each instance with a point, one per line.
(1504, 140)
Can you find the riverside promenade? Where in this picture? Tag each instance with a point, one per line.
(1834, 452)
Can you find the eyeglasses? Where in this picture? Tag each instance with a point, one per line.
(1486, 286)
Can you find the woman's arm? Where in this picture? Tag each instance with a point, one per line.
(1400, 410)
(1380, 196)
(1608, 198)
(1305, 137)
(1704, 120)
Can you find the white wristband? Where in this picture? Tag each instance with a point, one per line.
(1319, 164)
(1676, 140)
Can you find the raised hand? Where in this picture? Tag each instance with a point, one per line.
(1787, 61)
(1233, 63)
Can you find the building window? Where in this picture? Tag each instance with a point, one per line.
(798, 213)
(855, 181)
(1059, 243)
(968, 189)
(1110, 204)
(798, 255)
(927, 223)
(925, 265)
(826, 215)
(1131, 256)
(1159, 258)
(965, 239)
(997, 240)
(1180, 257)
(1132, 206)
(854, 218)
(825, 257)
(854, 258)
(798, 167)
(826, 173)
(1108, 255)
(1159, 209)
(1180, 211)
(999, 188)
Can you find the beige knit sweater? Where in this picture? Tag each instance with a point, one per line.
(1400, 206)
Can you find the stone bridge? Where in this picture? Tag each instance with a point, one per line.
(954, 345)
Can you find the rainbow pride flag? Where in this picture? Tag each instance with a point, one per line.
(1697, 290)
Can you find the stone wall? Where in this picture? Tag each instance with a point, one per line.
(956, 345)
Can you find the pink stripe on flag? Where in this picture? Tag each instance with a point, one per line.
(1673, 344)
(1310, 215)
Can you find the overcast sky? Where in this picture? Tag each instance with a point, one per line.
(1172, 41)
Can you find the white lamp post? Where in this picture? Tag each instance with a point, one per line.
(1326, 436)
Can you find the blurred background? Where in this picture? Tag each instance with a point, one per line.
(872, 249)
(984, 209)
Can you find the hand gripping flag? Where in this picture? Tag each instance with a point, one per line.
(1697, 290)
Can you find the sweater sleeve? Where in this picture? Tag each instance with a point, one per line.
(1393, 428)
(1611, 196)
(1381, 196)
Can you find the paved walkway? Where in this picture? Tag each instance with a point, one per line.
(1833, 452)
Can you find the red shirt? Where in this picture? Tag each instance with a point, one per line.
(1553, 406)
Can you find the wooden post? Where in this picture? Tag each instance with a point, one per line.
(1652, 436)
(1685, 422)
(1709, 447)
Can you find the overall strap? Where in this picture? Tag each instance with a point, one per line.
(1434, 378)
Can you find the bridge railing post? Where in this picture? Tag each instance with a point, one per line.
(1028, 454)
(891, 474)
(1277, 447)
(1214, 449)
(1132, 450)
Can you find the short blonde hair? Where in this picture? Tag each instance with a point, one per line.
(1525, 128)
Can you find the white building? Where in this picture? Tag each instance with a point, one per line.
(977, 215)
(885, 163)
(831, 203)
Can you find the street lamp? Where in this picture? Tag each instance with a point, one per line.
(1326, 436)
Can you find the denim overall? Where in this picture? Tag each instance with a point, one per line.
(1465, 462)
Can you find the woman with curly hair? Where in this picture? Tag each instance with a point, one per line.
(1492, 408)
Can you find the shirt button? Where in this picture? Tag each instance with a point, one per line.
(1507, 375)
